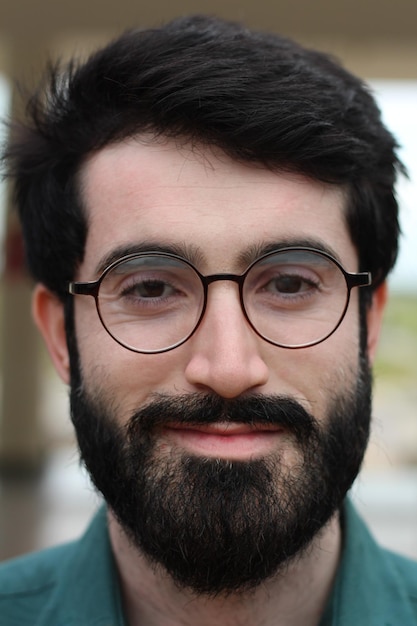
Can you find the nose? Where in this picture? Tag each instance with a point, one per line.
(225, 355)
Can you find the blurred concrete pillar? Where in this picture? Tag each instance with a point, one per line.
(21, 440)
(20, 436)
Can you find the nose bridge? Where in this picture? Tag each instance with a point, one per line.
(224, 302)
(225, 349)
(214, 278)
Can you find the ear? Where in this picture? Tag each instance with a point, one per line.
(374, 319)
(48, 313)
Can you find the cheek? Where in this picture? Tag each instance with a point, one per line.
(122, 377)
(317, 374)
(340, 366)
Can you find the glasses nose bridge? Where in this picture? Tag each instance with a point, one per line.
(234, 278)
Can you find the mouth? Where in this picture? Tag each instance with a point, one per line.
(233, 441)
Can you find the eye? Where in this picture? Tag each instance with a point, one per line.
(150, 288)
(290, 284)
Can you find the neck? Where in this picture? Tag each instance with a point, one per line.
(295, 597)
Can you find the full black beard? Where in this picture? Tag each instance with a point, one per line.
(217, 526)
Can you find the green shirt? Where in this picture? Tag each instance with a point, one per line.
(76, 584)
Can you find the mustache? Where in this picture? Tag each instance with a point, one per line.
(196, 409)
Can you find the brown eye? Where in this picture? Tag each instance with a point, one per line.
(150, 289)
(289, 284)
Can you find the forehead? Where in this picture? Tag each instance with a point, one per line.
(146, 193)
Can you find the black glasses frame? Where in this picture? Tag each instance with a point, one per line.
(92, 288)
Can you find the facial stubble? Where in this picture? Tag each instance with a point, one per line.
(218, 526)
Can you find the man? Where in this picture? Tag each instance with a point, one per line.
(210, 219)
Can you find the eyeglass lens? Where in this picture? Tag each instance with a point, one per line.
(154, 302)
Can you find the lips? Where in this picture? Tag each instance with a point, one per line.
(225, 439)
(227, 429)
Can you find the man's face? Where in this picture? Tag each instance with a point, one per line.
(245, 437)
(220, 213)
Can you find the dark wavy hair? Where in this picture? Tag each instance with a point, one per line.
(260, 97)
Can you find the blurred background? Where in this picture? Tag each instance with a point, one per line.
(45, 497)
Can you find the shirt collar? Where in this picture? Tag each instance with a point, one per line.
(367, 591)
(89, 589)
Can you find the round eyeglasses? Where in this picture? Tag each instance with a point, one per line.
(153, 302)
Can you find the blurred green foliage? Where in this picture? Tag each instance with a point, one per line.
(397, 355)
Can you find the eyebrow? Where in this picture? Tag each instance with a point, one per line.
(196, 257)
(259, 249)
(187, 251)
